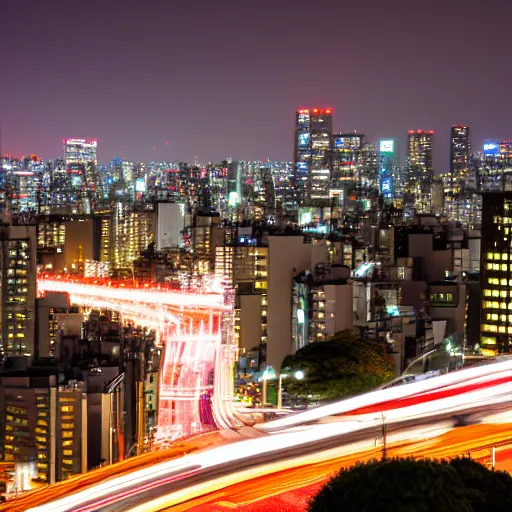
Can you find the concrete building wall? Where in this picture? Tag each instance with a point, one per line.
(286, 254)
(250, 321)
(435, 263)
(338, 308)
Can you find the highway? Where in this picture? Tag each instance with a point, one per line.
(432, 417)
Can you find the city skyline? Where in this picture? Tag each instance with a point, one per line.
(198, 81)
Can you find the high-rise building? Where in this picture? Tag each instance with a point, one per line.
(18, 295)
(457, 193)
(420, 168)
(345, 160)
(460, 150)
(313, 129)
(496, 271)
(81, 159)
(387, 163)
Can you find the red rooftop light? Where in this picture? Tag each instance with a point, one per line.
(410, 132)
(328, 110)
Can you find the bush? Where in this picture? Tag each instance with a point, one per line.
(408, 485)
(340, 367)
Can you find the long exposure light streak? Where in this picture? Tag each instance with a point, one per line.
(196, 385)
(376, 398)
(432, 416)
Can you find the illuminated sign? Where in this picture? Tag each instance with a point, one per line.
(140, 185)
(304, 139)
(233, 199)
(387, 146)
(300, 316)
(302, 167)
(491, 148)
(352, 142)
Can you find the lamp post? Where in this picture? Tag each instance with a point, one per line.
(299, 375)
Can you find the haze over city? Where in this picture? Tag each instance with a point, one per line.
(255, 256)
(222, 79)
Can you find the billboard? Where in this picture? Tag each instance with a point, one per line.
(386, 146)
(140, 185)
(308, 215)
(304, 139)
(347, 142)
(491, 148)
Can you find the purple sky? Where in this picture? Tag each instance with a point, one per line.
(223, 78)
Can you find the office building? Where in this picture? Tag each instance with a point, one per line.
(346, 159)
(457, 192)
(312, 173)
(387, 164)
(496, 271)
(420, 170)
(81, 159)
(18, 295)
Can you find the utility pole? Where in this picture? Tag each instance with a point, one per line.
(384, 435)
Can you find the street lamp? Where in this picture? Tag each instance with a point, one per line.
(299, 375)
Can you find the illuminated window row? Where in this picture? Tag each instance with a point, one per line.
(494, 317)
(496, 305)
(502, 329)
(500, 282)
(497, 256)
(496, 293)
(497, 266)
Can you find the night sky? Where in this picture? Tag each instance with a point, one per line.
(219, 78)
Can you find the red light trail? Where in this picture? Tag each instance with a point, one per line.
(194, 329)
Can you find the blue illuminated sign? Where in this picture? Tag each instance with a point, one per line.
(491, 148)
(304, 139)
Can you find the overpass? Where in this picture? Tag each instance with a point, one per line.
(194, 327)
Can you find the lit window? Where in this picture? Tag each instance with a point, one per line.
(489, 255)
(503, 282)
(503, 305)
(503, 294)
(495, 293)
(497, 256)
(504, 266)
(504, 256)
(487, 293)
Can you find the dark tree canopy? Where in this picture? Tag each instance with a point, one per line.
(340, 367)
(408, 485)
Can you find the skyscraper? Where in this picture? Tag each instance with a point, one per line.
(312, 173)
(81, 158)
(456, 194)
(346, 161)
(387, 151)
(420, 170)
(496, 271)
(460, 149)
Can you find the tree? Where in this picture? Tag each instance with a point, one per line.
(403, 485)
(342, 366)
